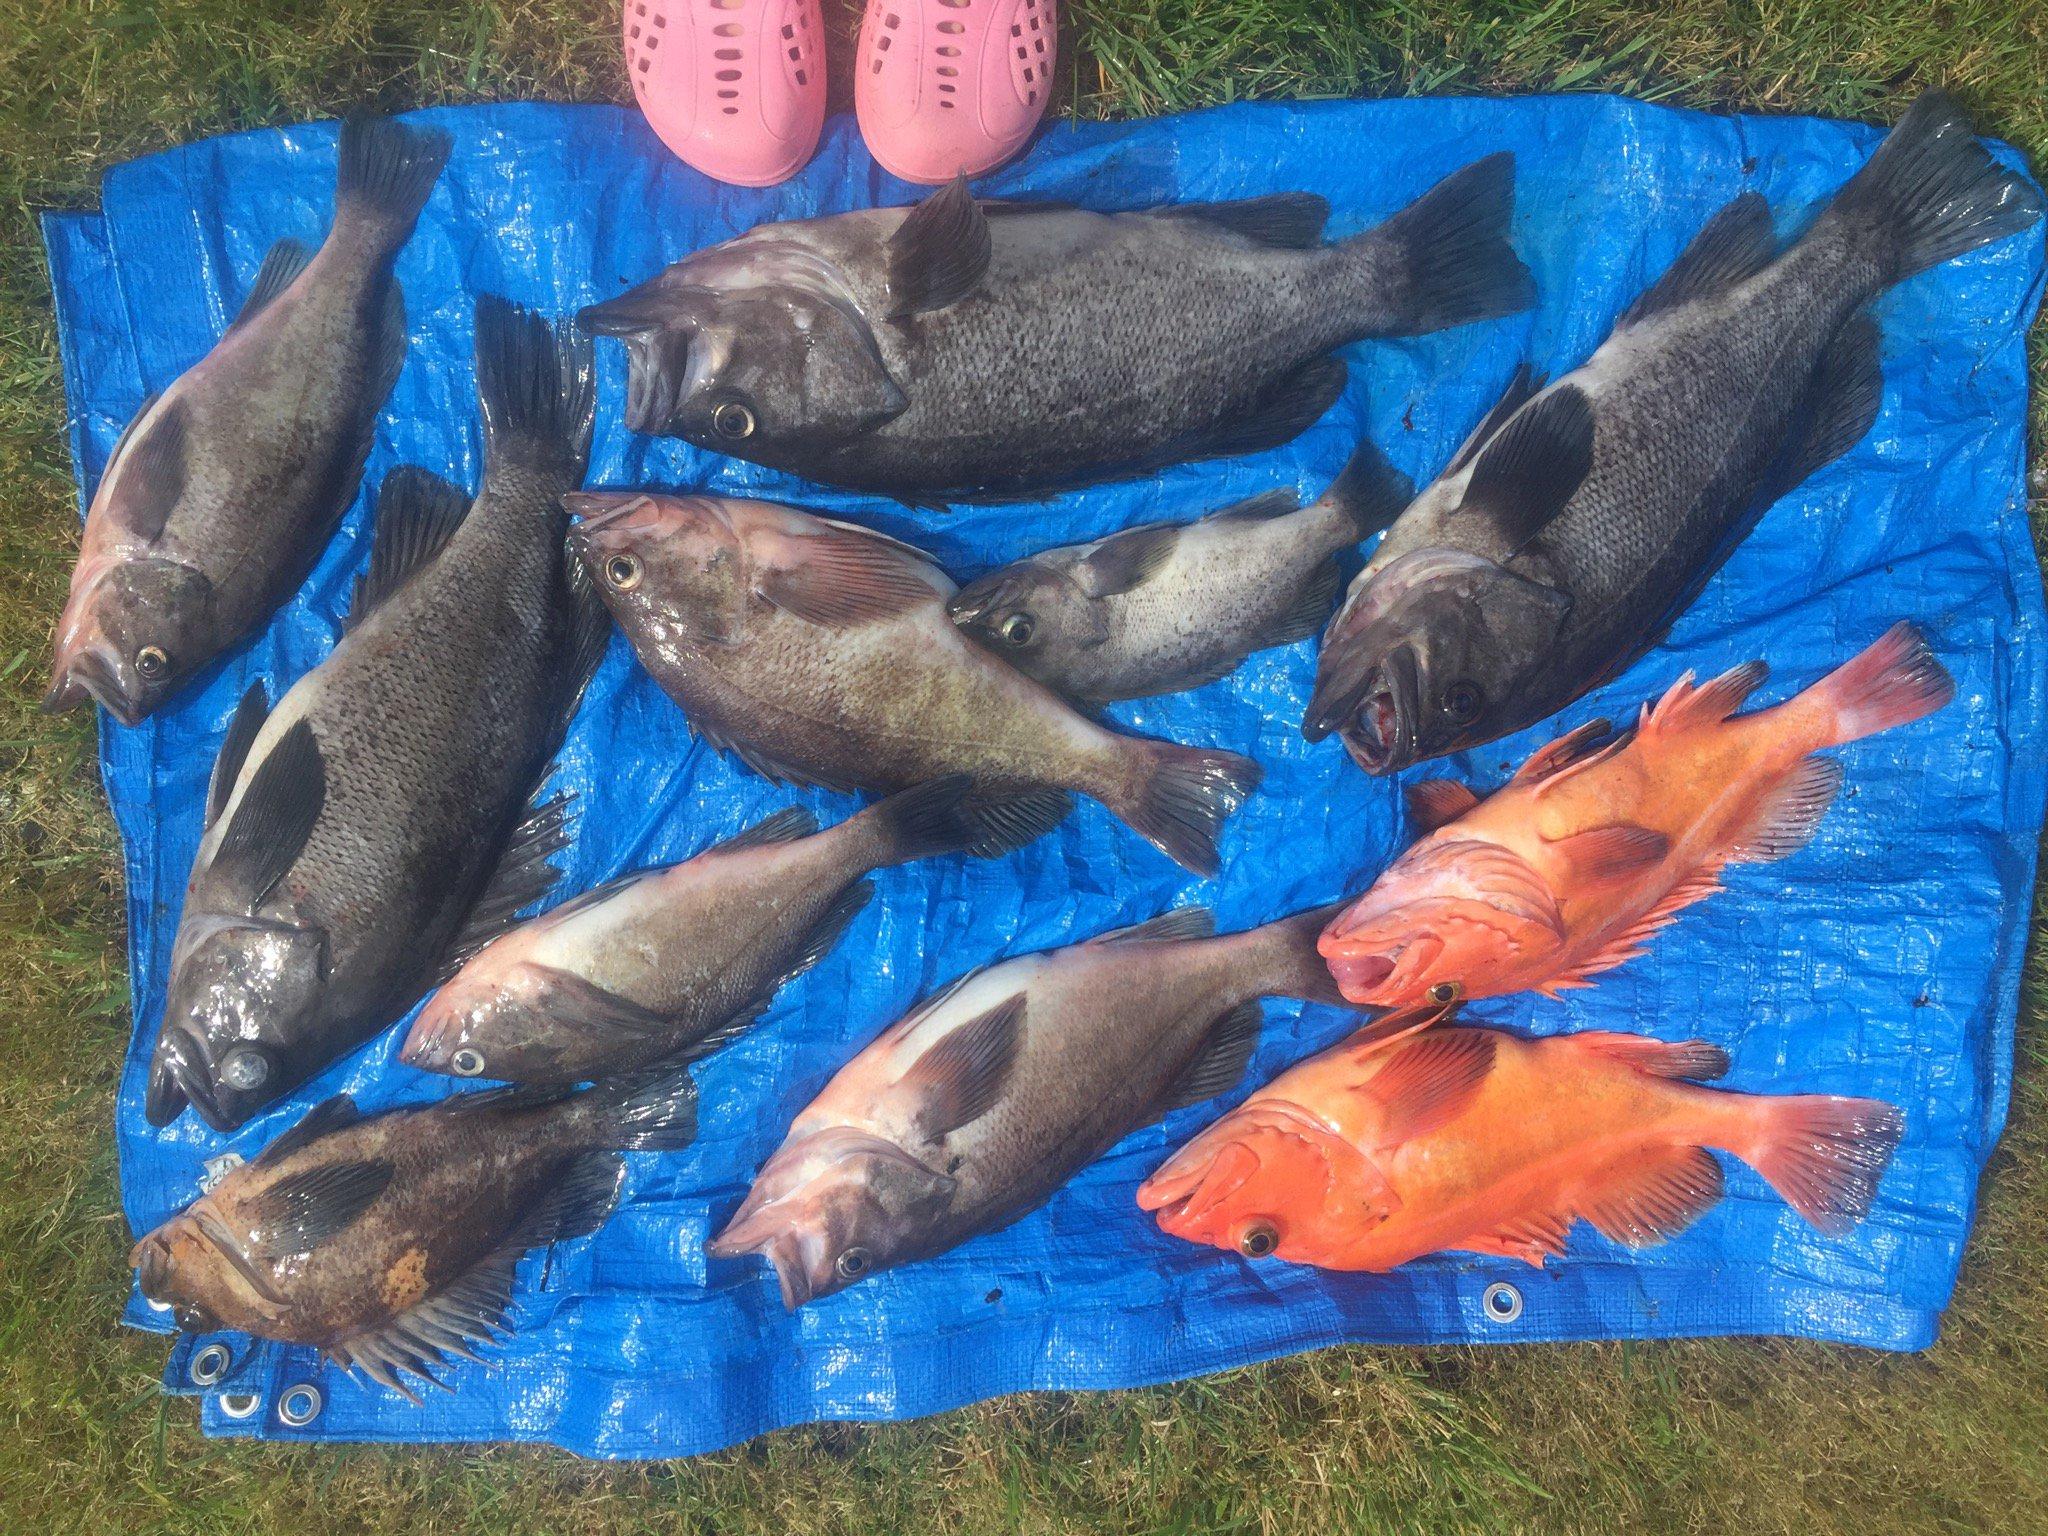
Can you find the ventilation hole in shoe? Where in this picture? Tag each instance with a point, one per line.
(1040, 45)
(727, 5)
(892, 21)
(726, 74)
(727, 93)
(883, 45)
(635, 33)
(661, 18)
(639, 10)
(643, 65)
(1031, 98)
(945, 103)
(1023, 52)
(788, 33)
(947, 89)
(796, 55)
(801, 79)
(947, 51)
(652, 40)
(1028, 77)
(727, 53)
(730, 111)
(952, 28)
(956, 5)
(948, 71)
(875, 68)
(728, 29)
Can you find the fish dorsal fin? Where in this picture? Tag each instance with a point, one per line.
(523, 876)
(302, 1210)
(1286, 221)
(1534, 465)
(1686, 705)
(327, 1116)
(153, 465)
(1654, 1195)
(1523, 387)
(1226, 1051)
(127, 436)
(1428, 1081)
(281, 268)
(845, 578)
(785, 826)
(961, 1076)
(1618, 852)
(1262, 508)
(1695, 1061)
(1628, 944)
(1127, 559)
(1735, 245)
(1839, 408)
(939, 253)
(604, 890)
(1434, 803)
(234, 749)
(1786, 816)
(274, 816)
(417, 513)
(1563, 752)
(1180, 924)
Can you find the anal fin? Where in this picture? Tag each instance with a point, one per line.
(1786, 816)
(1840, 407)
(1654, 1195)
(522, 877)
(1226, 1051)
(1531, 1237)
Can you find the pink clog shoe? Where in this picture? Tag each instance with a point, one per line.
(735, 87)
(946, 88)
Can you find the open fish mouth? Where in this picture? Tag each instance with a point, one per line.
(1358, 975)
(89, 674)
(1380, 735)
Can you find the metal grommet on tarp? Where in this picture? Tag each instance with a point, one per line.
(239, 1405)
(210, 1364)
(1501, 1302)
(300, 1405)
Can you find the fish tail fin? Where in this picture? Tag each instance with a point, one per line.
(535, 385)
(1369, 491)
(386, 171)
(1893, 682)
(1825, 1155)
(1179, 797)
(1929, 193)
(1447, 254)
(953, 815)
(646, 1112)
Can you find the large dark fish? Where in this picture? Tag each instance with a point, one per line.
(377, 822)
(1580, 519)
(964, 349)
(225, 488)
(970, 1111)
(821, 653)
(664, 964)
(391, 1242)
(1167, 606)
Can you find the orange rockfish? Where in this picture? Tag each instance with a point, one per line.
(1591, 849)
(1381, 1150)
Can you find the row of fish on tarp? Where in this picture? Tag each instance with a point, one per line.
(371, 838)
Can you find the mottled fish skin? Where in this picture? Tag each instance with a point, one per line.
(669, 962)
(224, 490)
(968, 350)
(975, 1107)
(390, 1242)
(1584, 516)
(424, 732)
(1164, 607)
(822, 654)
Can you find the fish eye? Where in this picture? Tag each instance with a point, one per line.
(467, 1061)
(1018, 629)
(852, 1264)
(1258, 1240)
(622, 572)
(733, 420)
(245, 1068)
(1462, 702)
(152, 663)
(1446, 992)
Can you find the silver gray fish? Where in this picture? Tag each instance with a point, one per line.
(663, 965)
(1167, 606)
(225, 488)
(377, 822)
(1581, 518)
(971, 1110)
(968, 350)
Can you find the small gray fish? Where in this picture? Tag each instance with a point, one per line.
(391, 1242)
(663, 965)
(225, 488)
(1168, 606)
(974, 1108)
(377, 822)
(1580, 519)
(980, 350)
(821, 653)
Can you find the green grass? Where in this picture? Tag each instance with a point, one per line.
(1750, 1437)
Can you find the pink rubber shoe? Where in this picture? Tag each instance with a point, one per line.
(735, 87)
(946, 88)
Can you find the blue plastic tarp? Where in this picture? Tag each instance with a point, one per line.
(1883, 959)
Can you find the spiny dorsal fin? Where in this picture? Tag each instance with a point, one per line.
(1258, 509)
(1429, 1081)
(939, 253)
(1735, 245)
(962, 1076)
(327, 1116)
(1563, 752)
(522, 877)
(844, 578)
(604, 890)
(234, 749)
(1523, 387)
(274, 816)
(1167, 928)
(1221, 1061)
(785, 826)
(1534, 466)
(303, 1210)
(1127, 559)
(1288, 221)
(417, 513)
(281, 268)
(1434, 803)
(1687, 706)
(1654, 1195)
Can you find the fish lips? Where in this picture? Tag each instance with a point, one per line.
(89, 672)
(1377, 720)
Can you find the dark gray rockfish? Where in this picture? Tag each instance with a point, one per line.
(1580, 519)
(663, 965)
(821, 653)
(970, 350)
(971, 1110)
(1167, 606)
(377, 823)
(225, 488)
(391, 1242)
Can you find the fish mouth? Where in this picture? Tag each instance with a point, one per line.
(1358, 976)
(91, 674)
(1380, 734)
(182, 1075)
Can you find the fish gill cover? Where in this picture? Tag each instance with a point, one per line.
(1882, 960)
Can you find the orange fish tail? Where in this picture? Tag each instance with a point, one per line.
(1896, 681)
(1825, 1155)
